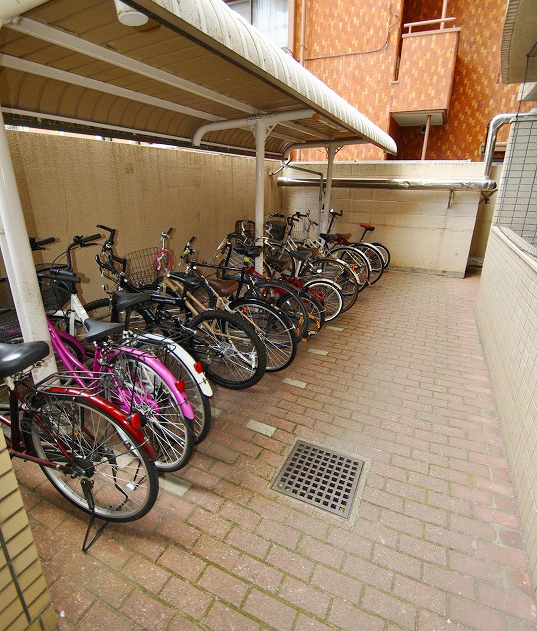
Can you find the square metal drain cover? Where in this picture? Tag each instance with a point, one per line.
(320, 477)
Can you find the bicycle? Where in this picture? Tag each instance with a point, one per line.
(231, 353)
(96, 456)
(377, 254)
(133, 379)
(272, 326)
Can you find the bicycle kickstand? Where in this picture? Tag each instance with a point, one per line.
(86, 488)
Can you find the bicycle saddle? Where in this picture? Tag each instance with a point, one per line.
(367, 226)
(98, 331)
(251, 251)
(300, 255)
(190, 282)
(17, 357)
(223, 287)
(328, 238)
(123, 300)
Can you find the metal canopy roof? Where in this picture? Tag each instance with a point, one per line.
(71, 62)
(519, 42)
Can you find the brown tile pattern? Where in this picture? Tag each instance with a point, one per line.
(349, 27)
(435, 544)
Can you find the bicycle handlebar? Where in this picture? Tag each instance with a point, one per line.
(36, 244)
(336, 213)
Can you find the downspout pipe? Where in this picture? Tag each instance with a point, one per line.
(495, 124)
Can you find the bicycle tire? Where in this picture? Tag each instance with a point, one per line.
(143, 387)
(384, 251)
(201, 423)
(375, 260)
(124, 479)
(273, 327)
(358, 262)
(329, 294)
(285, 298)
(339, 272)
(101, 310)
(229, 349)
(316, 312)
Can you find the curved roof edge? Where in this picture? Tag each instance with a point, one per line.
(224, 30)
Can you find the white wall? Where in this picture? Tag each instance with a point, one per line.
(420, 229)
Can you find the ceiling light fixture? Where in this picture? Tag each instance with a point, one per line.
(129, 16)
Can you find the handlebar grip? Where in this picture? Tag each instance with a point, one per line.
(45, 241)
(192, 239)
(112, 231)
(336, 213)
(170, 230)
(55, 273)
(314, 223)
(87, 240)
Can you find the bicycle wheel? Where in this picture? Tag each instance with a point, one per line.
(138, 385)
(96, 453)
(286, 299)
(273, 327)
(386, 257)
(171, 356)
(315, 311)
(229, 349)
(339, 272)
(358, 262)
(329, 294)
(375, 260)
(278, 259)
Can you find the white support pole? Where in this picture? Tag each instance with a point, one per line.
(323, 223)
(260, 138)
(18, 259)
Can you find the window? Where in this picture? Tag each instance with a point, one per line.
(271, 17)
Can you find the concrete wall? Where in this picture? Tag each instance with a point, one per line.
(507, 320)
(421, 230)
(68, 185)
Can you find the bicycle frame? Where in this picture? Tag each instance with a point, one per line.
(81, 373)
(129, 423)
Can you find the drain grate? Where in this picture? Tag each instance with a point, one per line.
(320, 477)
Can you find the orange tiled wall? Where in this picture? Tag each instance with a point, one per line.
(426, 60)
(346, 49)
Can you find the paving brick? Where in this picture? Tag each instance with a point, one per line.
(421, 595)
(349, 618)
(477, 616)
(318, 551)
(248, 542)
(222, 618)
(147, 612)
(226, 587)
(187, 598)
(182, 562)
(389, 608)
(302, 595)
(261, 574)
(290, 562)
(518, 605)
(270, 611)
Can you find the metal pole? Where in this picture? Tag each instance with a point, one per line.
(18, 259)
(302, 44)
(444, 13)
(426, 137)
(328, 189)
(260, 138)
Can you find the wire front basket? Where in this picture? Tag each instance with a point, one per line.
(275, 228)
(55, 292)
(299, 230)
(141, 268)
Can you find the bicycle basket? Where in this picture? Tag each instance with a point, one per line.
(10, 330)
(246, 229)
(141, 269)
(275, 228)
(299, 230)
(55, 292)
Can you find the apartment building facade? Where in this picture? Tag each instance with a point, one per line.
(428, 73)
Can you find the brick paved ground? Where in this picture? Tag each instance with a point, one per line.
(435, 544)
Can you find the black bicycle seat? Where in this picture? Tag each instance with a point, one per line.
(17, 357)
(328, 238)
(300, 255)
(98, 331)
(251, 251)
(123, 300)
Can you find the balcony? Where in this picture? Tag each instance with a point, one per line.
(421, 92)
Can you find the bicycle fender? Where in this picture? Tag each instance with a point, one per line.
(167, 376)
(118, 415)
(185, 358)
